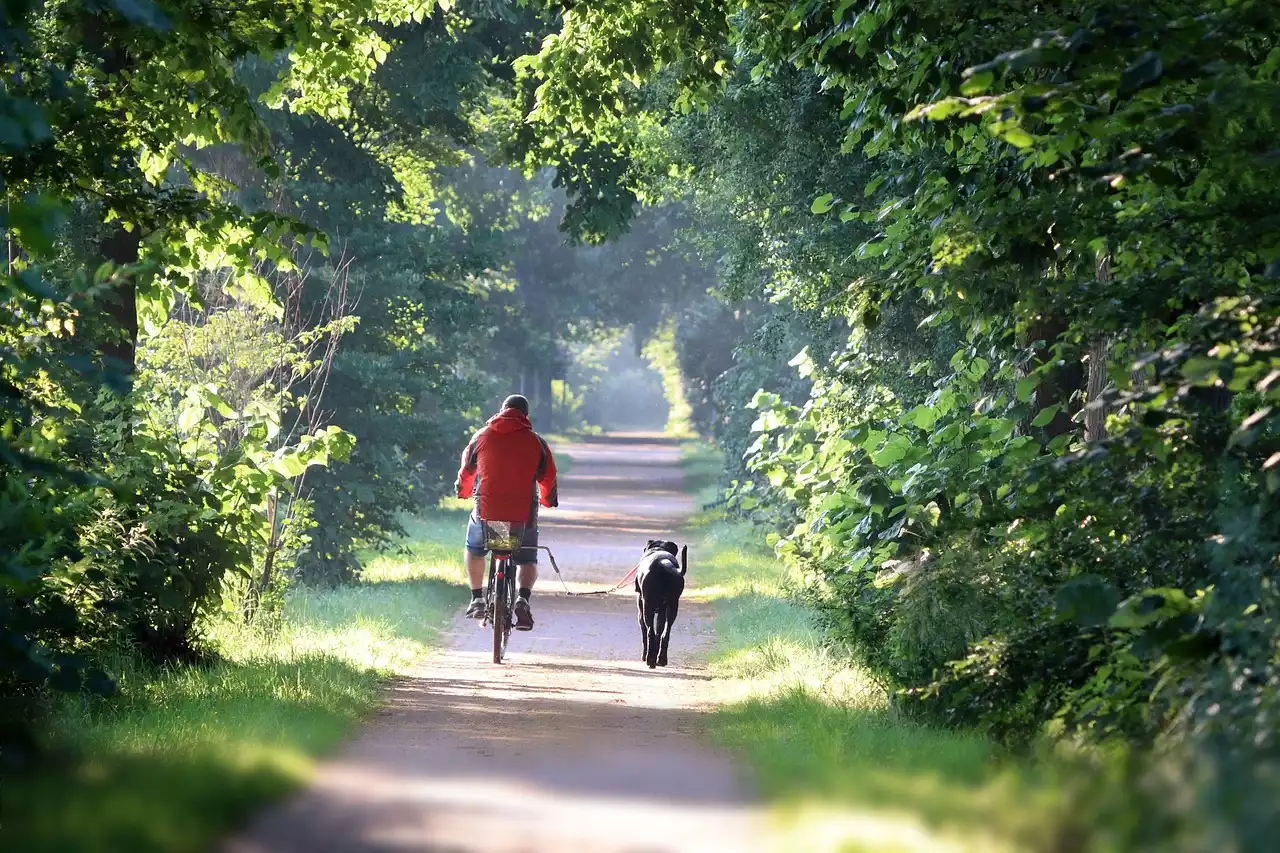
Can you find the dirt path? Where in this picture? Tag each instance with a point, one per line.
(574, 745)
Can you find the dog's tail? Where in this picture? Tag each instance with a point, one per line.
(684, 560)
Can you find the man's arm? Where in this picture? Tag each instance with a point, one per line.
(464, 486)
(548, 488)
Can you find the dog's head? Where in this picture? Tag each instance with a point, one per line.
(672, 549)
(661, 545)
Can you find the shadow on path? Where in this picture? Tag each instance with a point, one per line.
(573, 744)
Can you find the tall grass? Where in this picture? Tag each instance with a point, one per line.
(842, 769)
(183, 753)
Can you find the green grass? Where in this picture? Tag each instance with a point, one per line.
(184, 753)
(841, 770)
(572, 436)
(703, 465)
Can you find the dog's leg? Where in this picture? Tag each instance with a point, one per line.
(644, 629)
(653, 618)
(672, 608)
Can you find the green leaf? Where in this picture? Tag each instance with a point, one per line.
(256, 291)
(977, 83)
(190, 418)
(289, 466)
(1000, 429)
(36, 220)
(1201, 370)
(340, 443)
(894, 451)
(924, 417)
(1017, 136)
(941, 110)
(217, 403)
(1146, 71)
(1047, 414)
(822, 203)
(1150, 606)
(1026, 387)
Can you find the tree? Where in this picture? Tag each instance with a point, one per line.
(120, 529)
(1022, 184)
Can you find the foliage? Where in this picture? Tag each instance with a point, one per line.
(661, 354)
(122, 520)
(183, 754)
(1049, 236)
(241, 238)
(823, 740)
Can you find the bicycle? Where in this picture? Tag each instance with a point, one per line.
(503, 539)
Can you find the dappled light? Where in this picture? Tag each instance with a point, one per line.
(213, 743)
(573, 735)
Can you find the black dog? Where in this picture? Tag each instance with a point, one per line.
(659, 583)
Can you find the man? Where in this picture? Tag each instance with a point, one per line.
(509, 469)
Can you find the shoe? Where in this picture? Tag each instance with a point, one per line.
(475, 610)
(524, 616)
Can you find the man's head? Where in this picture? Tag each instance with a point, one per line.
(517, 402)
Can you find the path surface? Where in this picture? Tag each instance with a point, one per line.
(573, 745)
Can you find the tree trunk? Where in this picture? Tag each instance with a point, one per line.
(122, 247)
(258, 588)
(118, 246)
(542, 399)
(1095, 417)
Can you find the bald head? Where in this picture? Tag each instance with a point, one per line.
(518, 402)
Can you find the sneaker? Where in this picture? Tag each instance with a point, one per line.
(475, 610)
(524, 616)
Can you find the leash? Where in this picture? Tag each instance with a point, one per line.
(619, 585)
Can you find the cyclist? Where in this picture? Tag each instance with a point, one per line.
(509, 469)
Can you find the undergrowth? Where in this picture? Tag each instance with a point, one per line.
(183, 753)
(841, 768)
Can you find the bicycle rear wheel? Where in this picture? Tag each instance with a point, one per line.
(501, 607)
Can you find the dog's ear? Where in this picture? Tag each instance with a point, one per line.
(652, 544)
(670, 548)
(684, 560)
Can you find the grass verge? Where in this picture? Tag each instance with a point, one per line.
(841, 771)
(183, 754)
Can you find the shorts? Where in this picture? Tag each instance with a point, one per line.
(528, 552)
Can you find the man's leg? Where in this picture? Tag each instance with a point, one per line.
(476, 565)
(473, 557)
(526, 577)
(475, 576)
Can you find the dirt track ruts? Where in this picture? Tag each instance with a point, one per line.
(573, 745)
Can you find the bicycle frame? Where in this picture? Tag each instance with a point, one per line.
(500, 601)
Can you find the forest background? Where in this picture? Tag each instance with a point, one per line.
(979, 303)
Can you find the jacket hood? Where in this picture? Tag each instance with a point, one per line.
(509, 420)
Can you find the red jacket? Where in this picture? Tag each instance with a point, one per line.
(503, 463)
